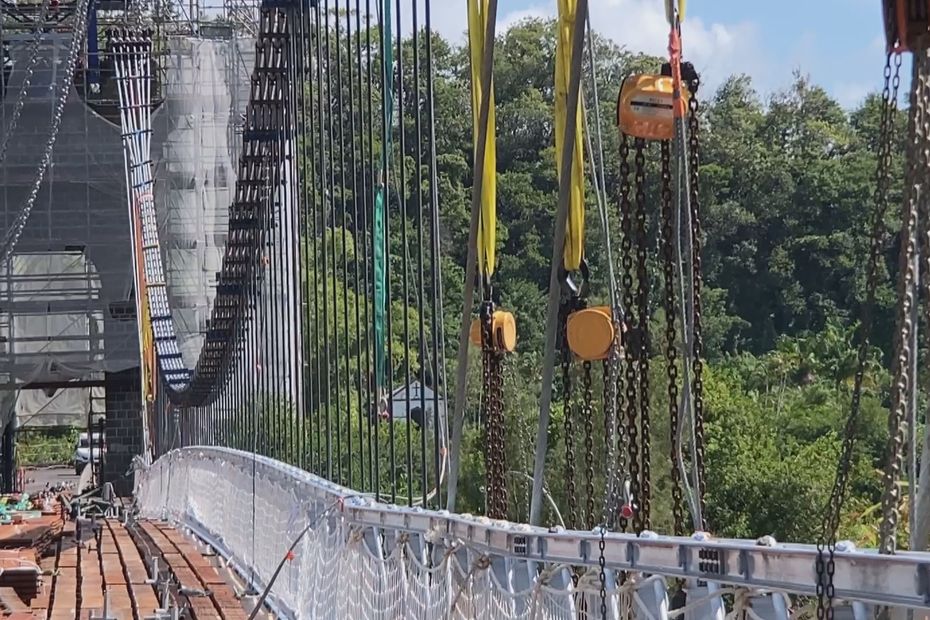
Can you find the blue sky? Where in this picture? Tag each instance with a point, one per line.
(839, 43)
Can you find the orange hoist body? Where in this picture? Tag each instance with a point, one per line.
(645, 107)
(907, 24)
(503, 330)
(591, 333)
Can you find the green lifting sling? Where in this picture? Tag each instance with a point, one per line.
(379, 241)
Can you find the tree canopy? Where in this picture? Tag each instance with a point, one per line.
(786, 187)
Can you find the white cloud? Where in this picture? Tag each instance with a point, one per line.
(717, 49)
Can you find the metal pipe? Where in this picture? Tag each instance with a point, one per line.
(558, 241)
(471, 264)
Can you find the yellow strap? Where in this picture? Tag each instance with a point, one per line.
(487, 225)
(670, 11)
(574, 232)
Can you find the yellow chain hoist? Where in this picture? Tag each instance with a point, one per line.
(503, 324)
(646, 107)
(589, 331)
(494, 331)
(662, 108)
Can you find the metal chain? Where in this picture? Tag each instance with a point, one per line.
(28, 71)
(569, 422)
(602, 575)
(497, 419)
(643, 515)
(135, 15)
(612, 392)
(825, 566)
(671, 349)
(492, 405)
(13, 233)
(626, 407)
(697, 364)
(916, 163)
(587, 411)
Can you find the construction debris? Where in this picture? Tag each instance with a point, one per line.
(64, 558)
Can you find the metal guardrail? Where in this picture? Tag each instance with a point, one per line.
(760, 567)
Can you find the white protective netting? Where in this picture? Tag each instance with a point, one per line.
(343, 569)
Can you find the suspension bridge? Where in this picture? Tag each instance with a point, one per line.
(225, 245)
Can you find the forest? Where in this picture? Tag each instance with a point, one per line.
(786, 193)
(786, 185)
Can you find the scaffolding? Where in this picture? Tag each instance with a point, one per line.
(67, 307)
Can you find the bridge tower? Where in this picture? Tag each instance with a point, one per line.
(69, 344)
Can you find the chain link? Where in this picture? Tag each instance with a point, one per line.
(697, 364)
(826, 543)
(13, 233)
(587, 411)
(626, 406)
(901, 385)
(602, 575)
(569, 421)
(492, 378)
(28, 71)
(642, 293)
(671, 348)
(611, 396)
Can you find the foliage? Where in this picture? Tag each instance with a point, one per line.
(785, 186)
(41, 447)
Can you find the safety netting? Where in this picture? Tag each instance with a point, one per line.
(345, 555)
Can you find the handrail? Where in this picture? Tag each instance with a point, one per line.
(901, 580)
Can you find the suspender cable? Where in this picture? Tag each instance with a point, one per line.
(357, 233)
(402, 215)
(461, 373)
(371, 360)
(566, 191)
(420, 294)
(495, 330)
(437, 327)
(380, 216)
(685, 272)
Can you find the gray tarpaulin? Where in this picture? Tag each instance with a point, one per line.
(196, 150)
(66, 304)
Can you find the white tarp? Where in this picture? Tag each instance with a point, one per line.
(49, 337)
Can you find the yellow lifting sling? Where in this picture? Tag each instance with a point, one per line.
(487, 227)
(574, 232)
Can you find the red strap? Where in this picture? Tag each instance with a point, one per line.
(674, 52)
(902, 27)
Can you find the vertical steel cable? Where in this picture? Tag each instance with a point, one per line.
(359, 294)
(436, 331)
(361, 241)
(292, 321)
(342, 280)
(421, 316)
(305, 135)
(277, 199)
(373, 434)
(334, 425)
(326, 175)
(387, 97)
(314, 207)
(402, 214)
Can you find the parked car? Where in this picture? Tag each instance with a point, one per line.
(82, 451)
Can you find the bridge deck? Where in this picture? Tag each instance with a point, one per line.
(56, 569)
